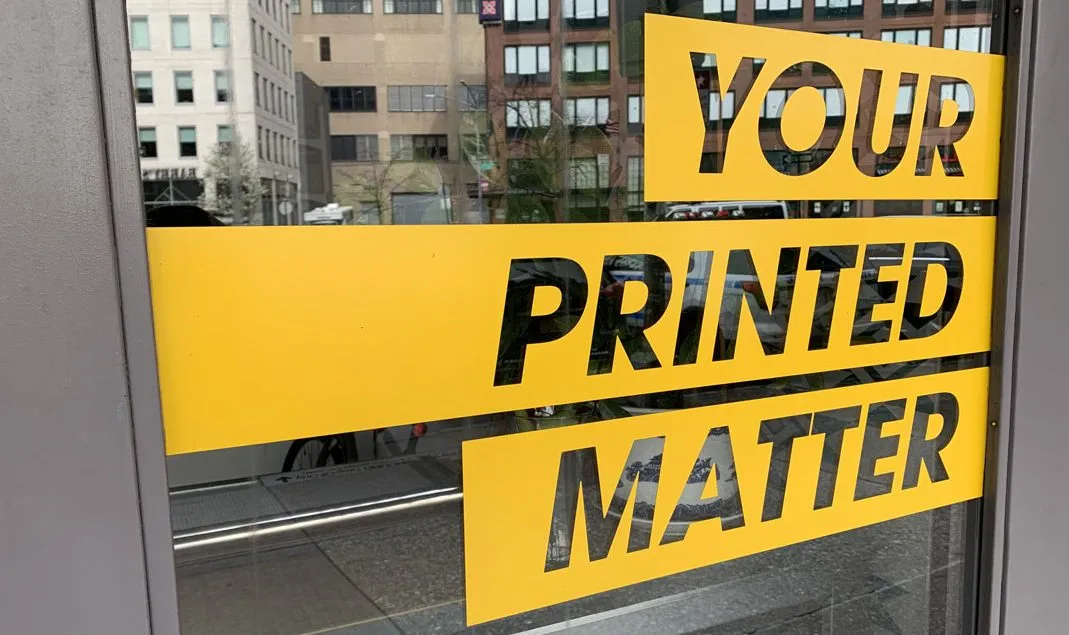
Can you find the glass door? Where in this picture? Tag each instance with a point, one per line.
(523, 316)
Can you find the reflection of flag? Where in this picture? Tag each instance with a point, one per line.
(611, 127)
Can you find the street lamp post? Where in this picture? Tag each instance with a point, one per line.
(274, 198)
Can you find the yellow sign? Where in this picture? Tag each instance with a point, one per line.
(669, 492)
(269, 334)
(953, 124)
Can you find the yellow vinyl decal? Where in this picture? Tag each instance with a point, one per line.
(270, 334)
(665, 493)
(950, 88)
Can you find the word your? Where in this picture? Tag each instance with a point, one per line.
(929, 111)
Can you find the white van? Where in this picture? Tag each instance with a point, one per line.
(738, 283)
(726, 210)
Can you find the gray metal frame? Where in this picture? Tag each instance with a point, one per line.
(1027, 548)
(85, 539)
(124, 179)
(1017, 39)
(84, 520)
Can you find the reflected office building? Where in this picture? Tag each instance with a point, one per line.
(215, 97)
(404, 82)
(581, 103)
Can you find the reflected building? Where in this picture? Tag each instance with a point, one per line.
(569, 75)
(404, 84)
(313, 149)
(214, 93)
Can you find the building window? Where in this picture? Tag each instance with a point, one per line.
(635, 199)
(139, 40)
(769, 10)
(702, 62)
(894, 8)
(256, 87)
(324, 49)
(351, 98)
(581, 14)
(143, 87)
(968, 38)
(183, 87)
(263, 42)
(412, 6)
(419, 147)
(146, 140)
(416, 98)
(834, 9)
(585, 112)
(187, 142)
(419, 209)
(526, 14)
(920, 37)
(274, 147)
(354, 147)
(252, 36)
(273, 109)
(527, 114)
(961, 93)
(588, 174)
(467, 6)
(586, 63)
(471, 97)
(295, 6)
(834, 106)
(267, 95)
(636, 113)
(222, 87)
(723, 10)
(224, 134)
(721, 109)
(180, 32)
(260, 142)
(341, 6)
(220, 32)
(904, 105)
(956, 6)
(772, 108)
(527, 65)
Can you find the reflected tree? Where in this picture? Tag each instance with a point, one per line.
(231, 183)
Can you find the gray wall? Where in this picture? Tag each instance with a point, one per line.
(313, 126)
(1033, 495)
(73, 380)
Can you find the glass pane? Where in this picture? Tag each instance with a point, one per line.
(180, 32)
(139, 34)
(350, 523)
(220, 32)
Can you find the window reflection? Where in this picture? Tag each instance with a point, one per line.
(409, 112)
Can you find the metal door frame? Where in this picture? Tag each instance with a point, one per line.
(112, 385)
